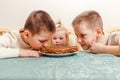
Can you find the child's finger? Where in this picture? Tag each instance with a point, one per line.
(40, 54)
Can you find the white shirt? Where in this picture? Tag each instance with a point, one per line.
(10, 43)
(113, 38)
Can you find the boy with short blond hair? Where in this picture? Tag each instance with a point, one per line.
(88, 27)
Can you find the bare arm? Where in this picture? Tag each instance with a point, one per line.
(115, 50)
(29, 53)
(101, 48)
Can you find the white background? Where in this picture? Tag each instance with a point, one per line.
(13, 13)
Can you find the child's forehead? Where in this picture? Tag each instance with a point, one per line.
(60, 29)
(82, 29)
(81, 26)
(60, 32)
(59, 35)
(84, 25)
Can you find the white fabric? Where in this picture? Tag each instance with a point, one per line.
(10, 43)
(113, 38)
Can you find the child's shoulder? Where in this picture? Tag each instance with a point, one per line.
(113, 36)
(115, 33)
(11, 34)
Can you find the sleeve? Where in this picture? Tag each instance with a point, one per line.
(8, 46)
(8, 52)
(119, 38)
(113, 38)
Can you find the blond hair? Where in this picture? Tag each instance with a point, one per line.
(66, 35)
(92, 18)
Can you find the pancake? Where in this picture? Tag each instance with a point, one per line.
(59, 50)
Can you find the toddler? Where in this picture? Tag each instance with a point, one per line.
(62, 37)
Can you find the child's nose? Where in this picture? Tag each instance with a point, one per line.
(43, 44)
(79, 40)
(57, 40)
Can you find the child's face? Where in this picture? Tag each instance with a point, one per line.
(38, 41)
(59, 38)
(85, 35)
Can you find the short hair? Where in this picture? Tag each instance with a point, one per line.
(91, 17)
(37, 20)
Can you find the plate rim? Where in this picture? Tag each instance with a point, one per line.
(57, 55)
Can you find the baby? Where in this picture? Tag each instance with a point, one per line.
(88, 27)
(63, 37)
(60, 37)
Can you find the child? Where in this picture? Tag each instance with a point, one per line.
(61, 37)
(88, 27)
(38, 29)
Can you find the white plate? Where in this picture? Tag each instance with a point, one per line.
(59, 55)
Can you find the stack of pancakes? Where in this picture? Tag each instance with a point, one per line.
(59, 50)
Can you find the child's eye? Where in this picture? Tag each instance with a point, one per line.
(83, 35)
(61, 38)
(54, 38)
(43, 41)
(76, 35)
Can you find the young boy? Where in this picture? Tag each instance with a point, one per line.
(38, 29)
(88, 27)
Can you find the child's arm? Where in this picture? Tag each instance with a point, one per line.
(8, 52)
(29, 53)
(101, 48)
(9, 47)
(15, 52)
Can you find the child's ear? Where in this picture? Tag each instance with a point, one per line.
(26, 34)
(99, 30)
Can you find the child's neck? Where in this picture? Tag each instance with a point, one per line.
(25, 40)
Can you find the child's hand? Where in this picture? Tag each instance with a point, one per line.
(96, 47)
(29, 53)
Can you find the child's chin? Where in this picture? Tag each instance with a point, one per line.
(85, 48)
